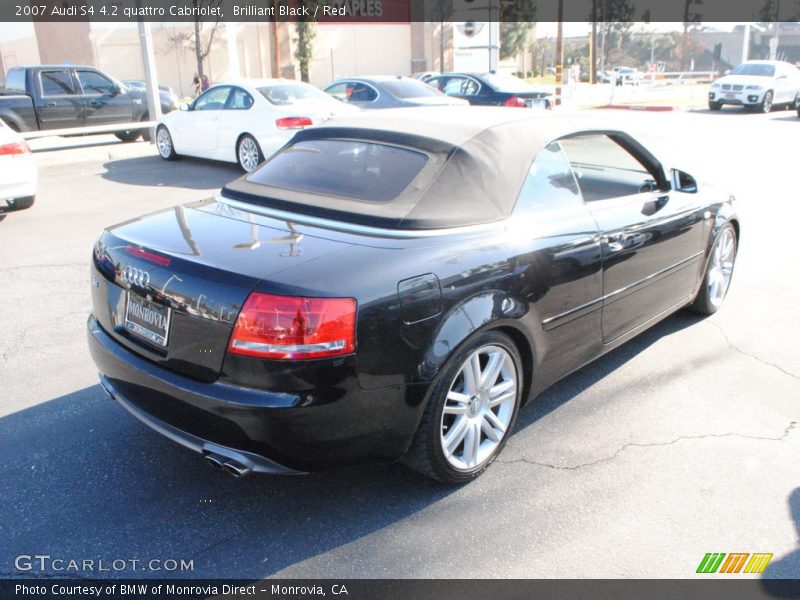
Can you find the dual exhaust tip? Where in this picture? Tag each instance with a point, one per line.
(228, 465)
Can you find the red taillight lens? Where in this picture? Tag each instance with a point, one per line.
(14, 148)
(292, 328)
(148, 255)
(516, 101)
(293, 122)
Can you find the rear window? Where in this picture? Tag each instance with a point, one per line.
(15, 81)
(346, 168)
(404, 88)
(286, 95)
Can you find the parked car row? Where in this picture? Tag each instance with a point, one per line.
(247, 121)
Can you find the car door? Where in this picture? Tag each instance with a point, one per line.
(651, 236)
(236, 119)
(785, 84)
(560, 272)
(59, 105)
(197, 133)
(102, 104)
(460, 86)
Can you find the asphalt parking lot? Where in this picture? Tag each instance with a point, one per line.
(684, 441)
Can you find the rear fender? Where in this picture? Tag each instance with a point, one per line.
(489, 310)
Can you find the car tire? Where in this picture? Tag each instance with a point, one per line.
(715, 106)
(248, 153)
(766, 103)
(128, 136)
(21, 203)
(458, 407)
(719, 271)
(164, 145)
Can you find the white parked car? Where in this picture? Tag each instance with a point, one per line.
(18, 174)
(757, 85)
(244, 121)
(625, 76)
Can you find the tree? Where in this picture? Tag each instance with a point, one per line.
(304, 45)
(615, 21)
(201, 40)
(515, 23)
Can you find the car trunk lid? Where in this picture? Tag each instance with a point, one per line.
(169, 286)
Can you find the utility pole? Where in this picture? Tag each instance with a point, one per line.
(560, 52)
(275, 44)
(150, 78)
(592, 42)
(746, 42)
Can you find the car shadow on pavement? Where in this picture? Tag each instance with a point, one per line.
(192, 173)
(788, 566)
(582, 379)
(83, 479)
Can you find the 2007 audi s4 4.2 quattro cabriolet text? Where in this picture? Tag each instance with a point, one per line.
(398, 287)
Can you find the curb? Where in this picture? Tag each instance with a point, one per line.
(638, 107)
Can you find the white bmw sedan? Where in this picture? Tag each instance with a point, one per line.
(17, 170)
(246, 121)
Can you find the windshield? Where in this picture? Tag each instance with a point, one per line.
(507, 83)
(292, 93)
(757, 70)
(410, 88)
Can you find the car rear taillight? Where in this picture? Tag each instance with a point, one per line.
(14, 148)
(293, 122)
(148, 255)
(516, 101)
(292, 328)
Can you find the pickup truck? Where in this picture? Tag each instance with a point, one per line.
(63, 96)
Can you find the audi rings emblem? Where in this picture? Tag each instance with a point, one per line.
(137, 277)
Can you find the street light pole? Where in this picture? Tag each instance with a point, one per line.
(560, 51)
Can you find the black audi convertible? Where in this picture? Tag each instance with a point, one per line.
(397, 287)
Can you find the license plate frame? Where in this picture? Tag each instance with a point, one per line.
(138, 324)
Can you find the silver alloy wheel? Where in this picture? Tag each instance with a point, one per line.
(479, 408)
(721, 268)
(164, 143)
(767, 102)
(248, 153)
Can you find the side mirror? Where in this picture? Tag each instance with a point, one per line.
(185, 106)
(117, 89)
(683, 182)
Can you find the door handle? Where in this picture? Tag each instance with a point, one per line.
(616, 241)
(50, 104)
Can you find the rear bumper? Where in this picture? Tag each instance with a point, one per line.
(270, 432)
(17, 177)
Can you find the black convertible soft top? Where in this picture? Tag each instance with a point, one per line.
(477, 161)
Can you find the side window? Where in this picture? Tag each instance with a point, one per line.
(239, 100)
(338, 90)
(94, 83)
(550, 184)
(213, 99)
(604, 168)
(56, 83)
(460, 86)
(358, 92)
